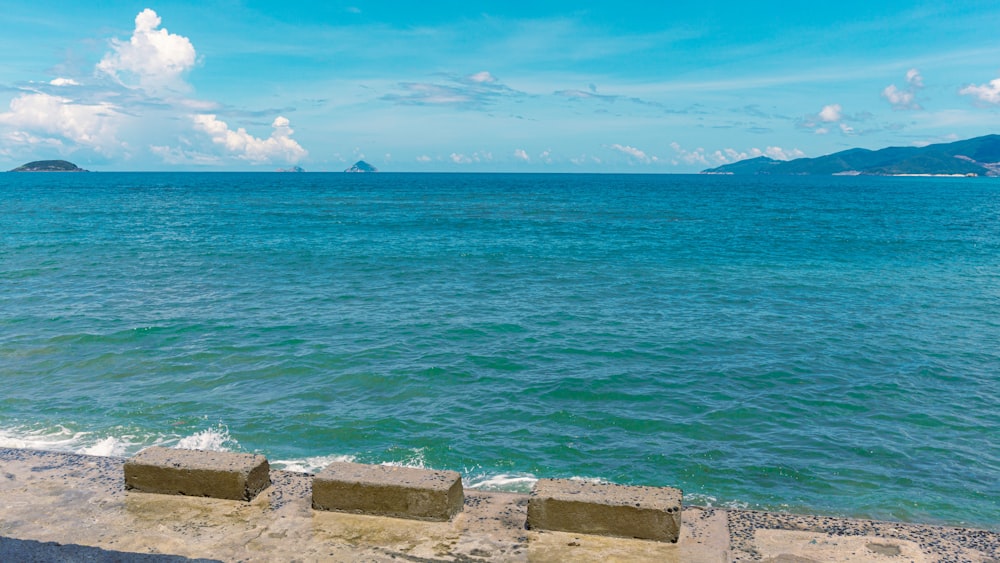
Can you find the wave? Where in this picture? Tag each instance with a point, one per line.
(217, 438)
(120, 442)
(309, 464)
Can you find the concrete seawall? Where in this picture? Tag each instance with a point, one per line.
(57, 505)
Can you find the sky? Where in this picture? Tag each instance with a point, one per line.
(512, 86)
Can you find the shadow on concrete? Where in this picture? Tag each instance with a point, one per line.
(31, 551)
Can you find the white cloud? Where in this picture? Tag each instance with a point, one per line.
(634, 153)
(175, 155)
(830, 113)
(483, 77)
(696, 156)
(423, 158)
(730, 155)
(830, 117)
(39, 118)
(459, 158)
(279, 146)
(64, 82)
(152, 59)
(989, 93)
(779, 153)
(521, 154)
(902, 99)
(905, 99)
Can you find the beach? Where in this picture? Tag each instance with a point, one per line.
(58, 506)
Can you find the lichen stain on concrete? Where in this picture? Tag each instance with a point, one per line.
(884, 549)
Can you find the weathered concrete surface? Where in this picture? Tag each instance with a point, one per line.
(401, 492)
(565, 505)
(31, 551)
(80, 503)
(198, 473)
(794, 538)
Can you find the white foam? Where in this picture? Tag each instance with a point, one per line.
(708, 501)
(416, 460)
(115, 442)
(212, 439)
(310, 464)
(59, 438)
(108, 447)
(63, 439)
(504, 482)
(595, 480)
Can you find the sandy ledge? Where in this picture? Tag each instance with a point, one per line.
(66, 507)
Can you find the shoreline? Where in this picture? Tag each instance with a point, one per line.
(56, 502)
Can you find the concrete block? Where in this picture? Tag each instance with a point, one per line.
(564, 505)
(198, 473)
(402, 492)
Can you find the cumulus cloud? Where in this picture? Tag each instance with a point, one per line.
(696, 156)
(779, 153)
(45, 119)
(522, 154)
(989, 92)
(423, 158)
(830, 113)
(635, 154)
(152, 59)
(64, 82)
(832, 117)
(730, 155)
(459, 158)
(475, 91)
(905, 98)
(278, 147)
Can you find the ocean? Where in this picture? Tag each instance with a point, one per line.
(828, 345)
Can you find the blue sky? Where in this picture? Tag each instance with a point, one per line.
(488, 86)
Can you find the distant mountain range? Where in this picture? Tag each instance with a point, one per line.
(972, 157)
(49, 166)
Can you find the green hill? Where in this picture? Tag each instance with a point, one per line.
(49, 166)
(972, 157)
(362, 166)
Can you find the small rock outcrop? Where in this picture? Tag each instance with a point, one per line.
(362, 166)
(49, 166)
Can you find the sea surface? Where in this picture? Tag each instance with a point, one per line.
(808, 344)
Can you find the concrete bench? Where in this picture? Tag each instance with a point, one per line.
(401, 492)
(198, 473)
(564, 505)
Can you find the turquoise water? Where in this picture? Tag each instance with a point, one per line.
(829, 345)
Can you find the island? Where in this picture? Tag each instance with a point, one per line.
(361, 166)
(979, 156)
(49, 166)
